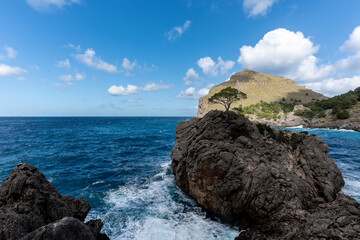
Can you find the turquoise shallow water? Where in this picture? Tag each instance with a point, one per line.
(121, 165)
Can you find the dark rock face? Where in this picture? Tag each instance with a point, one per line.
(30, 204)
(276, 183)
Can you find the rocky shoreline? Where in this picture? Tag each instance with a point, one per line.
(31, 208)
(273, 184)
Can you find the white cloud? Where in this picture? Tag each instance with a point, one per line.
(351, 63)
(353, 43)
(77, 48)
(191, 75)
(47, 5)
(63, 64)
(11, 53)
(79, 76)
(257, 7)
(284, 52)
(8, 71)
(21, 78)
(334, 86)
(90, 59)
(132, 89)
(208, 66)
(154, 87)
(68, 80)
(178, 31)
(123, 91)
(211, 69)
(128, 65)
(191, 93)
(224, 66)
(204, 91)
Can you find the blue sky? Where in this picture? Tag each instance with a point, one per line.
(156, 58)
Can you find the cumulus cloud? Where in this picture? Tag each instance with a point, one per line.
(178, 31)
(205, 91)
(351, 63)
(257, 7)
(224, 66)
(123, 91)
(284, 52)
(90, 59)
(63, 64)
(191, 93)
(191, 75)
(132, 89)
(333, 86)
(211, 69)
(353, 43)
(47, 5)
(8, 71)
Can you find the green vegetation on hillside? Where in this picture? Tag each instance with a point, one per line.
(266, 110)
(339, 106)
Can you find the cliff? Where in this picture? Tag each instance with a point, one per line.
(273, 184)
(31, 208)
(260, 86)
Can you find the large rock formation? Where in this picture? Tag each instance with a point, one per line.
(31, 208)
(276, 184)
(259, 86)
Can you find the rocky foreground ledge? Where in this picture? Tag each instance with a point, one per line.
(273, 184)
(31, 208)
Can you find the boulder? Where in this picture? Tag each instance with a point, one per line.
(28, 202)
(268, 181)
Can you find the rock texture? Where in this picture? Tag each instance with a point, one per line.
(31, 208)
(274, 184)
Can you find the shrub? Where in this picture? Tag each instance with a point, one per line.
(322, 114)
(343, 114)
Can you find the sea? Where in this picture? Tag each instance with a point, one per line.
(121, 165)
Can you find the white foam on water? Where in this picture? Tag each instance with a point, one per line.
(300, 126)
(98, 182)
(158, 210)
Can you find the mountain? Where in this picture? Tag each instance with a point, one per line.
(260, 86)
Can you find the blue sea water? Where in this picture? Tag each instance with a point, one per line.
(121, 165)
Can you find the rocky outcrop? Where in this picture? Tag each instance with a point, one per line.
(31, 208)
(274, 184)
(259, 86)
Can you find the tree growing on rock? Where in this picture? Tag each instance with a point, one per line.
(226, 97)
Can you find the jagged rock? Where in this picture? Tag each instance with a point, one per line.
(67, 228)
(276, 183)
(28, 201)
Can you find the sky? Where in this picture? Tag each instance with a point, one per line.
(158, 57)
